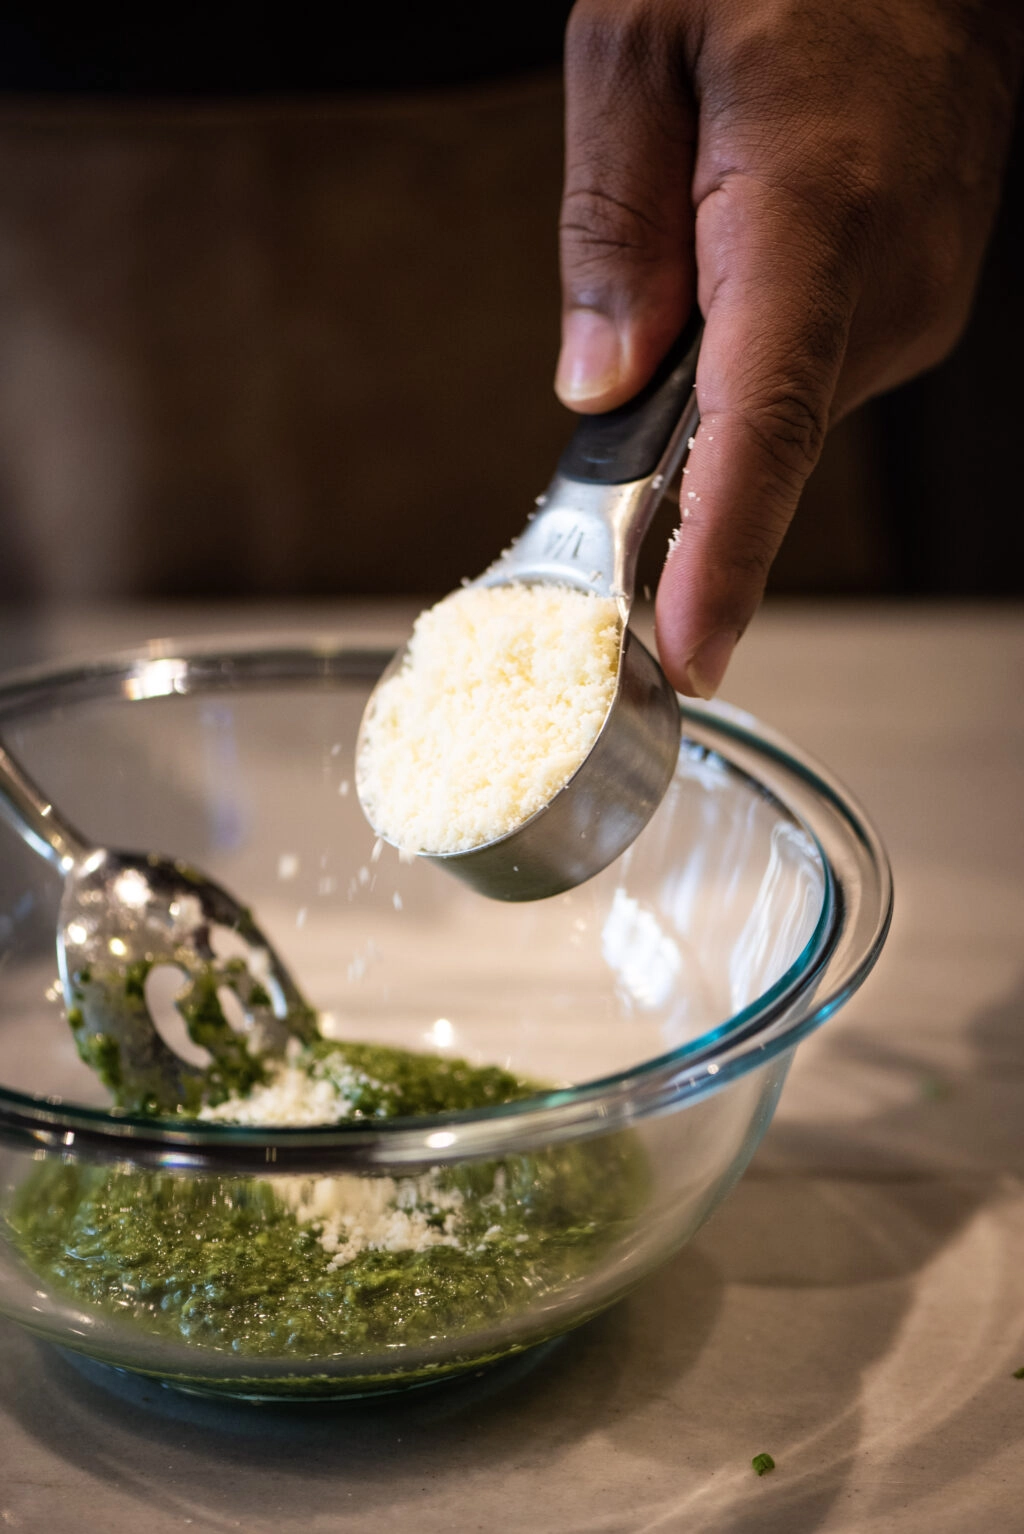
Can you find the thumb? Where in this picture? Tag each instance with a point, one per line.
(626, 229)
(778, 307)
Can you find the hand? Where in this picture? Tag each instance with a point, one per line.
(821, 177)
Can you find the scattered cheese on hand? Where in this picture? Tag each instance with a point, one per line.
(503, 692)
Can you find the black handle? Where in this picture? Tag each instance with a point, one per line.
(626, 443)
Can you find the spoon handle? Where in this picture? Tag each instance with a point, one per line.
(606, 488)
(630, 442)
(26, 808)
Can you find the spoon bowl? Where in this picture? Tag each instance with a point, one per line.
(125, 915)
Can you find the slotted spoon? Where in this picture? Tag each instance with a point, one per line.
(123, 915)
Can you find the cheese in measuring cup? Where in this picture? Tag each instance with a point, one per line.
(502, 693)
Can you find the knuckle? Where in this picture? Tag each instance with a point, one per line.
(589, 33)
(788, 429)
(838, 215)
(595, 224)
(751, 555)
(856, 205)
(611, 36)
(625, 200)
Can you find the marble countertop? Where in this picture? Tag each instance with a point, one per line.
(854, 1309)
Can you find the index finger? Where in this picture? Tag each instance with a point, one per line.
(778, 305)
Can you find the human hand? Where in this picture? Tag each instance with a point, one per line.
(821, 178)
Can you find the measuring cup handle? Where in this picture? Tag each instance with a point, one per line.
(26, 808)
(628, 443)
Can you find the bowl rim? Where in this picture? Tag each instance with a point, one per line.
(849, 934)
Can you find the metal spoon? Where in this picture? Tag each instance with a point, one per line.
(587, 534)
(121, 915)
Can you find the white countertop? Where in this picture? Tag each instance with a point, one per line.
(856, 1308)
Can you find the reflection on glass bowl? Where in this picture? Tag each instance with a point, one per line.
(656, 1008)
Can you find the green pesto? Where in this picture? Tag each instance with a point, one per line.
(401, 1083)
(114, 1033)
(224, 1262)
(135, 976)
(235, 1069)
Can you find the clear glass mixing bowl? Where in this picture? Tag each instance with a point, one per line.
(659, 1004)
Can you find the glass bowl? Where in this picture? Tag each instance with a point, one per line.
(657, 1007)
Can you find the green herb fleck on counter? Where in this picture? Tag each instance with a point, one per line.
(762, 1463)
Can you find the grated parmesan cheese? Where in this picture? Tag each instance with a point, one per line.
(503, 692)
(356, 1214)
(349, 1214)
(294, 1093)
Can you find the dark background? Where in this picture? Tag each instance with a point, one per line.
(279, 314)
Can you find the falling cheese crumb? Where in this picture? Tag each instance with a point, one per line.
(503, 692)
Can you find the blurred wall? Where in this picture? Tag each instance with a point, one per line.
(276, 348)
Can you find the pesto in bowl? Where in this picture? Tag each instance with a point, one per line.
(305, 1268)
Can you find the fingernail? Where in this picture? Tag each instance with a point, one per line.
(591, 356)
(709, 661)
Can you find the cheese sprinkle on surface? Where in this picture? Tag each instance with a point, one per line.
(295, 1093)
(503, 692)
(351, 1214)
